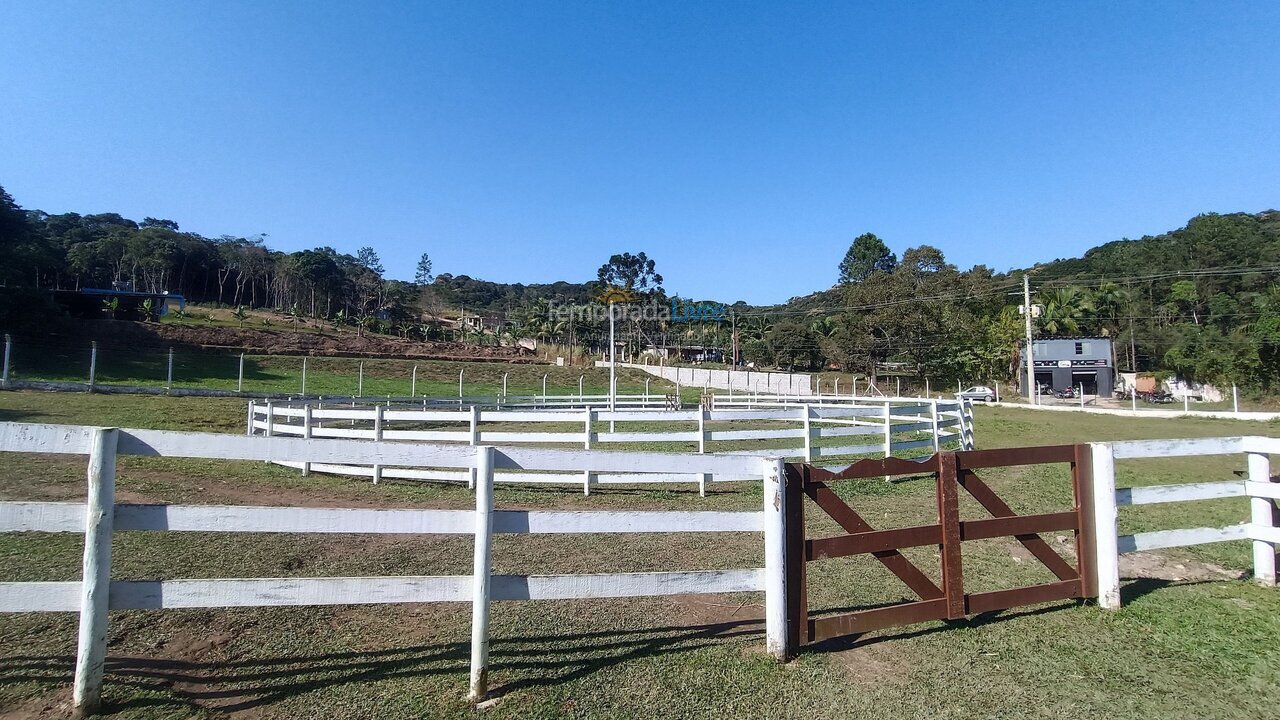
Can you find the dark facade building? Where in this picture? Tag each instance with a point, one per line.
(1071, 362)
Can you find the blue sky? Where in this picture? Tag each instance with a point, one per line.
(743, 145)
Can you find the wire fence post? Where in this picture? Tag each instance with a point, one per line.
(93, 364)
(304, 376)
(413, 383)
(460, 373)
(360, 380)
(240, 376)
(168, 383)
(1235, 396)
(8, 349)
(95, 585)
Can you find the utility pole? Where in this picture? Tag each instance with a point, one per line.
(1026, 313)
(733, 324)
(613, 365)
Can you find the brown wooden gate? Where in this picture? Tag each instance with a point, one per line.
(945, 599)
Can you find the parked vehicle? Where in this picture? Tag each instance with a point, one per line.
(1159, 397)
(977, 392)
(1066, 393)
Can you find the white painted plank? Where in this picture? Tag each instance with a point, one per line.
(1258, 444)
(599, 521)
(1265, 533)
(1129, 449)
(458, 416)
(649, 415)
(848, 450)
(39, 597)
(563, 416)
(1179, 538)
(41, 438)
(1153, 494)
(343, 414)
(41, 517)
(1262, 490)
(276, 592)
(460, 436)
(757, 434)
(212, 445)
(493, 436)
(333, 432)
(235, 518)
(691, 436)
(562, 587)
(876, 429)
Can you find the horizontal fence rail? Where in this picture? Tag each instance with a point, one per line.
(1258, 487)
(802, 430)
(96, 593)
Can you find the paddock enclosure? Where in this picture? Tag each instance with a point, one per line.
(823, 430)
(787, 543)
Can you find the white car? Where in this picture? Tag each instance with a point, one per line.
(977, 392)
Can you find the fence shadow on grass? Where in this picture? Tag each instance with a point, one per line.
(851, 642)
(134, 683)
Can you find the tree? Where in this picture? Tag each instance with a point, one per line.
(633, 273)
(868, 254)
(368, 258)
(791, 342)
(423, 274)
(1065, 310)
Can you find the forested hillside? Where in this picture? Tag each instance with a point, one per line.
(1201, 301)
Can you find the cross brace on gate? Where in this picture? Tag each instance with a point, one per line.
(946, 599)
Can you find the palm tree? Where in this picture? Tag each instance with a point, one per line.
(1065, 309)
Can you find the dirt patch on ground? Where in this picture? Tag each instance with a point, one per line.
(1157, 566)
(1151, 565)
(42, 707)
(282, 341)
(713, 609)
(874, 663)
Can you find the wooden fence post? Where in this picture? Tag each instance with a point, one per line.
(808, 433)
(1264, 553)
(704, 478)
(306, 432)
(475, 440)
(586, 445)
(95, 588)
(775, 588)
(888, 429)
(253, 412)
(1106, 548)
(933, 416)
(377, 437)
(481, 575)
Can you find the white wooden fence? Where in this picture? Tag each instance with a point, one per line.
(886, 427)
(1258, 486)
(100, 517)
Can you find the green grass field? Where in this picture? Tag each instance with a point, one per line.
(326, 376)
(1195, 638)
